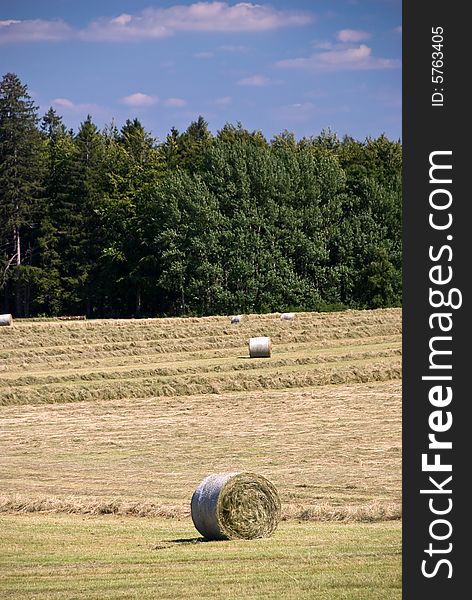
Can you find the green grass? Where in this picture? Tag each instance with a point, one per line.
(67, 557)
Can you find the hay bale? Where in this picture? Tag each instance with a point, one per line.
(6, 320)
(236, 319)
(229, 506)
(260, 347)
(287, 316)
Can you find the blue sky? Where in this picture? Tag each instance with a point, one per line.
(298, 65)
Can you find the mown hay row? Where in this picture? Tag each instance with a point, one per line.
(326, 319)
(78, 357)
(369, 512)
(110, 331)
(350, 372)
(218, 366)
(41, 340)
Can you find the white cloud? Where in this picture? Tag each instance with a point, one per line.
(123, 19)
(352, 35)
(71, 107)
(255, 81)
(63, 103)
(345, 59)
(155, 23)
(34, 30)
(219, 17)
(139, 100)
(398, 29)
(175, 102)
(122, 28)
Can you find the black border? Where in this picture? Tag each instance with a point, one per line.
(428, 128)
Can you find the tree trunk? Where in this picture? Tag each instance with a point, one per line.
(17, 247)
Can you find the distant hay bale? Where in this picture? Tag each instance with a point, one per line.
(6, 320)
(260, 347)
(236, 319)
(229, 506)
(287, 316)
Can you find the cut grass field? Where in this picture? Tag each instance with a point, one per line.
(64, 557)
(128, 416)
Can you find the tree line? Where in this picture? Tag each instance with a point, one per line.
(114, 223)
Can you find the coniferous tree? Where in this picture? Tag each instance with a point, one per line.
(21, 155)
(54, 227)
(81, 244)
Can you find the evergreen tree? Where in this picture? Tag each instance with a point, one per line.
(80, 242)
(193, 144)
(55, 227)
(133, 162)
(21, 155)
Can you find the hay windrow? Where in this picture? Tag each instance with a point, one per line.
(221, 365)
(204, 383)
(369, 512)
(235, 506)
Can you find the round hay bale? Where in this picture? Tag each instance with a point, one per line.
(235, 319)
(260, 347)
(6, 320)
(229, 506)
(287, 316)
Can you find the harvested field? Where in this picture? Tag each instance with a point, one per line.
(129, 415)
(125, 417)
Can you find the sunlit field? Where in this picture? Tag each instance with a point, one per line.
(109, 425)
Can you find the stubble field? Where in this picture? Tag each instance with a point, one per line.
(107, 427)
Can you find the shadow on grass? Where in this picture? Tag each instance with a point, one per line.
(166, 544)
(197, 540)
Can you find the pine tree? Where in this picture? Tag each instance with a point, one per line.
(54, 222)
(82, 243)
(20, 180)
(193, 144)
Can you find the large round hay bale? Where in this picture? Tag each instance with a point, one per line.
(260, 347)
(287, 316)
(229, 506)
(6, 320)
(235, 319)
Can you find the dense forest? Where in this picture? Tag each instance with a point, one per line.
(114, 223)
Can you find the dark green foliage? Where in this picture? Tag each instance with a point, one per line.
(21, 161)
(112, 223)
